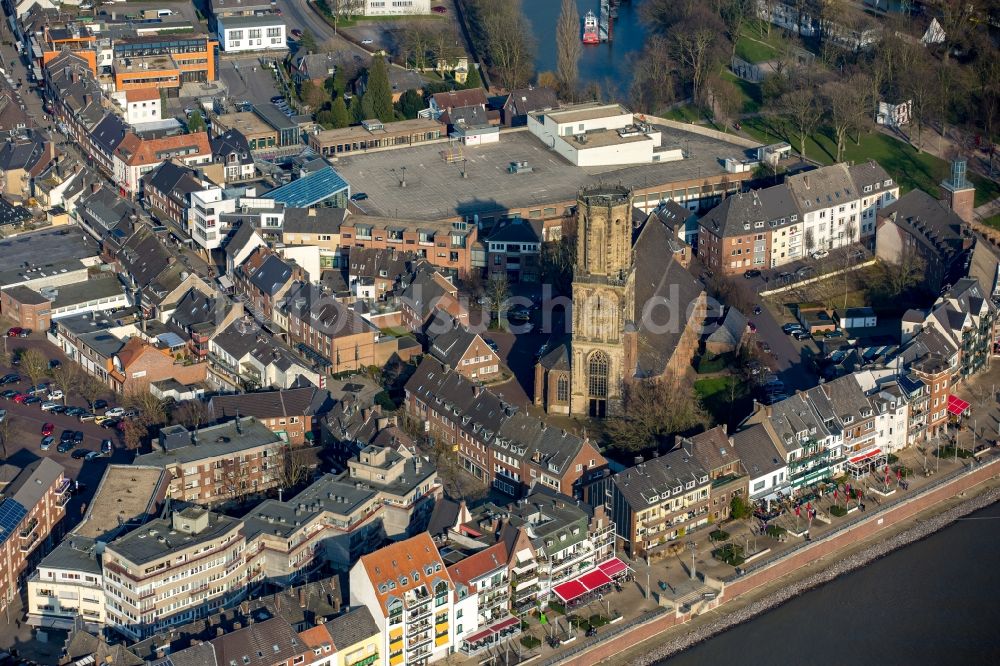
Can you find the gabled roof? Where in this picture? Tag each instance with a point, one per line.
(517, 231)
(313, 220)
(456, 98)
(109, 133)
(758, 453)
(352, 628)
(658, 477)
(272, 275)
(391, 569)
(141, 152)
(478, 564)
(712, 449)
(739, 214)
(307, 401)
(232, 142)
(451, 346)
(174, 180)
(522, 101)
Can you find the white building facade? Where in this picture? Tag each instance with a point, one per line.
(239, 34)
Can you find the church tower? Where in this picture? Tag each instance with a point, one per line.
(602, 299)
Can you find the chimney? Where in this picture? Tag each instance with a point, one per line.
(302, 597)
(805, 180)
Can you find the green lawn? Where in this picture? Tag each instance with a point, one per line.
(726, 399)
(687, 113)
(993, 221)
(751, 93)
(750, 49)
(911, 169)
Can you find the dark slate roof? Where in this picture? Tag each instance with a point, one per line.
(109, 133)
(232, 142)
(672, 214)
(21, 154)
(272, 275)
(352, 628)
(517, 231)
(774, 206)
(558, 357)
(730, 329)
(11, 214)
(308, 401)
(239, 238)
(275, 636)
(658, 275)
(449, 347)
(174, 180)
(522, 101)
(758, 454)
(196, 308)
(313, 220)
(929, 221)
(443, 517)
(658, 477)
(368, 262)
(310, 304)
(712, 448)
(424, 292)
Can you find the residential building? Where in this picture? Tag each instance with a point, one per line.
(206, 217)
(522, 101)
(443, 102)
(163, 61)
(232, 150)
(263, 280)
(429, 293)
(313, 67)
(378, 274)
(396, 7)
(716, 452)
(134, 156)
(167, 191)
(26, 308)
(764, 464)
(138, 363)
(657, 502)
(445, 246)
(483, 596)
(219, 463)
(242, 358)
(292, 414)
(514, 250)
(494, 441)
(198, 317)
(23, 159)
(260, 33)
(357, 637)
(462, 350)
(319, 325)
(32, 506)
(141, 105)
(174, 570)
(406, 588)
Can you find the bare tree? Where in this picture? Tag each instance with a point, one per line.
(294, 467)
(66, 376)
(846, 104)
(810, 240)
(90, 388)
(190, 413)
(802, 108)
(134, 433)
(34, 365)
(894, 278)
(6, 431)
(150, 408)
(415, 43)
(695, 46)
(497, 291)
(920, 85)
(652, 411)
(726, 100)
(735, 14)
(654, 80)
(506, 36)
(568, 48)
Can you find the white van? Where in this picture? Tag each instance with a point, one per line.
(161, 13)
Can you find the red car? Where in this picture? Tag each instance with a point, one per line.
(47, 429)
(21, 397)
(14, 332)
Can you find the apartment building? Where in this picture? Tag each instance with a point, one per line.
(31, 508)
(656, 502)
(406, 588)
(483, 590)
(428, 293)
(716, 452)
(135, 156)
(290, 413)
(462, 350)
(495, 442)
(445, 245)
(69, 582)
(174, 570)
(218, 463)
(163, 61)
(167, 190)
(242, 358)
(514, 251)
(822, 209)
(264, 32)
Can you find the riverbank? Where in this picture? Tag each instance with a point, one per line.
(763, 598)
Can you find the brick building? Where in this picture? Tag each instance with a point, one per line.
(290, 413)
(139, 363)
(329, 328)
(446, 245)
(26, 307)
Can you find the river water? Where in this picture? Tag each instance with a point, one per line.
(932, 602)
(606, 64)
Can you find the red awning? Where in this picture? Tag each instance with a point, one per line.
(957, 406)
(492, 629)
(865, 456)
(570, 590)
(581, 585)
(613, 567)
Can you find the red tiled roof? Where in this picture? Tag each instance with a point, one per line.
(478, 564)
(388, 567)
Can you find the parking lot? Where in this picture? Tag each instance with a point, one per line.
(23, 444)
(247, 80)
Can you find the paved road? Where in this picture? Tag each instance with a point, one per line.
(299, 14)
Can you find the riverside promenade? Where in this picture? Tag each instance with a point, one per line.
(739, 604)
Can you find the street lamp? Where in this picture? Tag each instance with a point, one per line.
(693, 548)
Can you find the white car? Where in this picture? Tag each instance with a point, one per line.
(820, 254)
(56, 394)
(49, 406)
(366, 42)
(115, 412)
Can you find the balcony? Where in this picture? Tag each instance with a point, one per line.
(367, 661)
(29, 529)
(62, 487)
(29, 543)
(418, 640)
(419, 614)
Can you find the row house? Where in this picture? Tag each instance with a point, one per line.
(31, 508)
(167, 191)
(263, 280)
(407, 589)
(242, 357)
(514, 251)
(338, 518)
(199, 316)
(134, 157)
(220, 463)
(716, 452)
(377, 274)
(429, 293)
(483, 591)
(460, 348)
(494, 441)
(292, 414)
(657, 502)
(322, 326)
(822, 209)
(446, 246)
(138, 364)
(75, 99)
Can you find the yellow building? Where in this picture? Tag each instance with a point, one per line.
(357, 639)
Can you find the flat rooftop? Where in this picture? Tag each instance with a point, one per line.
(603, 138)
(579, 115)
(34, 255)
(145, 545)
(247, 122)
(435, 189)
(125, 493)
(388, 129)
(87, 291)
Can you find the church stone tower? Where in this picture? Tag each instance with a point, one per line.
(602, 299)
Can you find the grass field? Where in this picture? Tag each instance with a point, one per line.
(750, 49)
(993, 221)
(911, 169)
(726, 399)
(750, 92)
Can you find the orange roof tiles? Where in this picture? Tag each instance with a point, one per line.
(137, 152)
(391, 569)
(316, 637)
(142, 94)
(478, 564)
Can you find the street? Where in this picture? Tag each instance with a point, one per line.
(300, 15)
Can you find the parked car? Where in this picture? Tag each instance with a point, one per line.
(65, 446)
(492, 345)
(834, 334)
(115, 412)
(54, 363)
(66, 436)
(803, 271)
(359, 196)
(74, 411)
(46, 443)
(10, 378)
(110, 423)
(131, 413)
(752, 327)
(14, 332)
(20, 398)
(91, 455)
(296, 33)
(764, 346)
(48, 428)
(751, 274)
(107, 446)
(367, 42)
(3, 415)
(25, 332)
(757, 309)
(277, 99)
(56, 394)
(820, 254)
(49, 406)
(31, 400)
(37, 390)
(58, 409)
(791, 328)
(100, 404)
(78, 436)
(801, 335)
(86, 416)
(8, 394)
(80, 453)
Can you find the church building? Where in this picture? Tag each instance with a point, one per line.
(638, 313)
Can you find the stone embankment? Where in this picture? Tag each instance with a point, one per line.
(854, 561)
